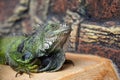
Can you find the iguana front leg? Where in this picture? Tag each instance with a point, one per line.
(23, 66)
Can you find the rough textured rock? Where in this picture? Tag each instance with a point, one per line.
(103, 9)
(61, 6)
(100, 40)
(26, 13)
(12, 24)
(7, 8)
(74, 20)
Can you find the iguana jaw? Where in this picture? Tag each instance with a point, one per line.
(59, 39)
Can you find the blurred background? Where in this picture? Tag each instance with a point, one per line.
(95, 23)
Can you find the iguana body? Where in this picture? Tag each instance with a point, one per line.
(39, 52)
(4, 43)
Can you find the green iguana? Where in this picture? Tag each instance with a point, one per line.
(41, 51)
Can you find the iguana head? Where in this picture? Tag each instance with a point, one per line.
(55, 35)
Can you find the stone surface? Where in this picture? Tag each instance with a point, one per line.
(103, 9)
(100, 40)
(86, 67)
(12, 24)
(7, 8)
(74, 20)
(61, 6)
(31, 11)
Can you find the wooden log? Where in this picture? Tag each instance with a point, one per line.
(86, 67)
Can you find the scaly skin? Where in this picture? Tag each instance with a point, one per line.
(42, 51)
(4, 42)
(13, 58)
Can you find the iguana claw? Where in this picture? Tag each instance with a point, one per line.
(21, 73)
